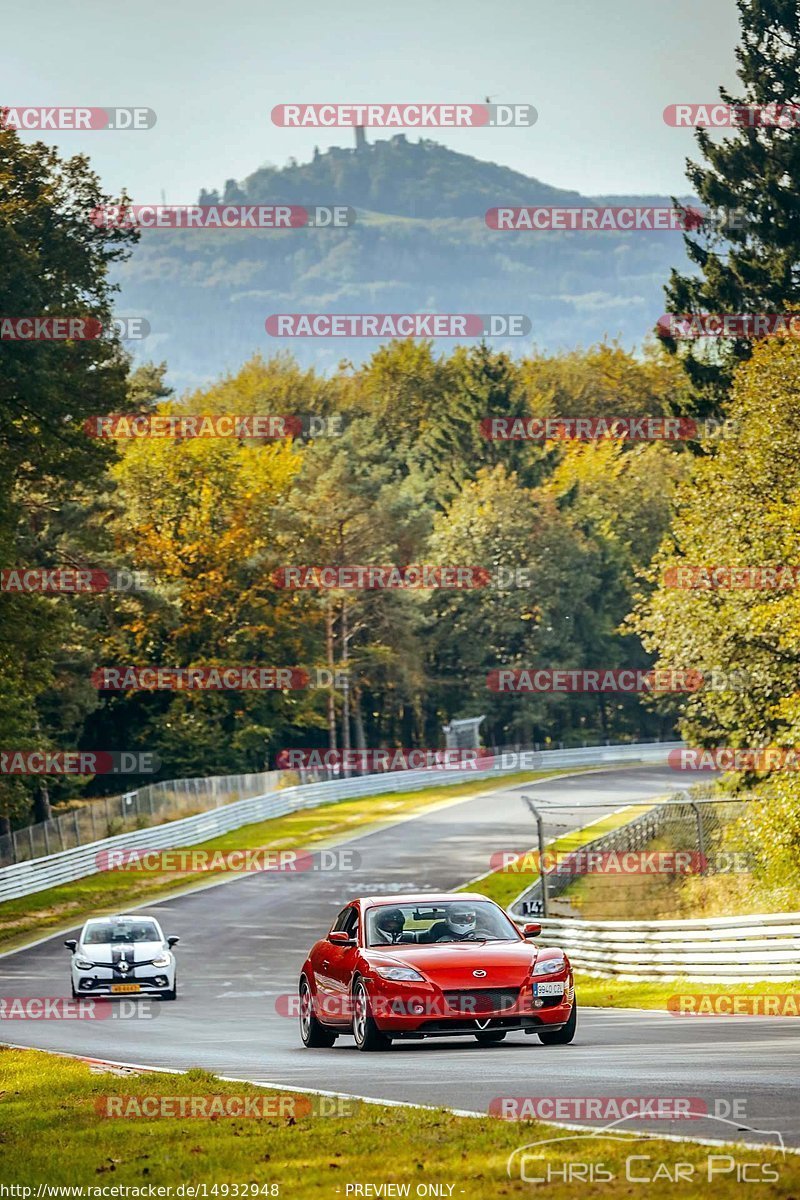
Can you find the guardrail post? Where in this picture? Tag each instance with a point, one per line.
(540, 838)
(701, 841)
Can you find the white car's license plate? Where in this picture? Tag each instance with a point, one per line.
(125, 987)
(554, 988)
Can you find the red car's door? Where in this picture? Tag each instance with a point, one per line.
(333, 969)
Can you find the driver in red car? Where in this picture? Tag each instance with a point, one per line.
(459, 925)
(389, 925)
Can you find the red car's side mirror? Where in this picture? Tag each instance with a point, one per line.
(340, 938)
(532, 929)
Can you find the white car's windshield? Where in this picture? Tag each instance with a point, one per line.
(103, 932)
(423, 924)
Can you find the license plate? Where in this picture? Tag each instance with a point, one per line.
(554, 988)
(125, 987)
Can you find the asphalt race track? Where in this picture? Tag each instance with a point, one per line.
(242, 944)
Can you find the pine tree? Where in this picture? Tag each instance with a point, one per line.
(752, 265)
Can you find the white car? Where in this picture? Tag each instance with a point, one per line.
(123, 956)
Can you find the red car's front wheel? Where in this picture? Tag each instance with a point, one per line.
(564, 1035)
(366, 1034)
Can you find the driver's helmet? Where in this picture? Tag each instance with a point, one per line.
(391, 921)
(461, 920)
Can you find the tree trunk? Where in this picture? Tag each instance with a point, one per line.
(332, 669)
(345, 689)
(41, 803)
(358, 725)
(603, 716)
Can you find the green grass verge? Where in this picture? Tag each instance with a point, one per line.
(110, 891)
(629, 993)
(54, 1135)
(505, 885)
(608, 897)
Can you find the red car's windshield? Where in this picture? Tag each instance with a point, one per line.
(426, 924)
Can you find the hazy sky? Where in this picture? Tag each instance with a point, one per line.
(599, 72)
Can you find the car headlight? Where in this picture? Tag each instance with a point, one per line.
(548, 966)
(83, 964)
(405, 974)
(163, 960)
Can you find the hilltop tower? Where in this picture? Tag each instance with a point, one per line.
(361, 138)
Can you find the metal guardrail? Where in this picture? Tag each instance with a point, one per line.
(107, 816)
(714, 950)
(21, 879)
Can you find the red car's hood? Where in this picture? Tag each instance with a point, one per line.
(452, 964)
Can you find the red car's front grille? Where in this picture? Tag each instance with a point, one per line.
(481, 1000)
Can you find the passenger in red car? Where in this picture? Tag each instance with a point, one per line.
(460, 925)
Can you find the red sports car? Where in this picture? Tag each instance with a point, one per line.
(433, 966)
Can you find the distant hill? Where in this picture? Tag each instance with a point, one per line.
(420, 243)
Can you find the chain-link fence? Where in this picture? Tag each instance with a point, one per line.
(150, 805)
(690, 834)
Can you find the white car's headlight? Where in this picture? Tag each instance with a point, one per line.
(549, 966)
(404, 974)
(83, 964)
(163, 960)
